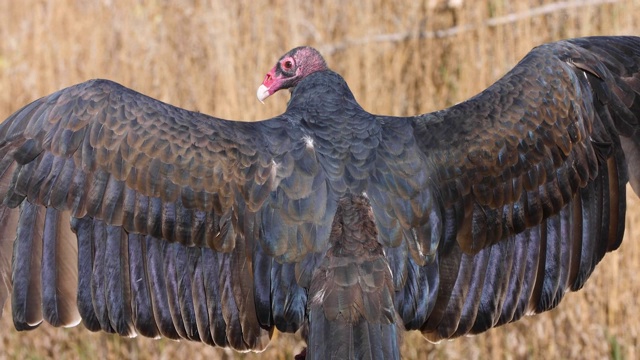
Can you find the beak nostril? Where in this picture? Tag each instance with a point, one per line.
(268, 79)
(269, 85)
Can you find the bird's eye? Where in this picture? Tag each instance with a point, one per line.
(287, 65)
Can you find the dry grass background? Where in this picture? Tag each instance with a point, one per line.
(399, 58)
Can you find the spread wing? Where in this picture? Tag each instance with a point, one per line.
(125, 172)
(523, 191)
(489, 210)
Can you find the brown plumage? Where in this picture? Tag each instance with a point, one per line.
(137, 217)
(351, 294)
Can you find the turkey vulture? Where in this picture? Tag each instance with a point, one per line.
(136, 217)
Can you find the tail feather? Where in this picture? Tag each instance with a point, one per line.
(351, 312)
(339, 339)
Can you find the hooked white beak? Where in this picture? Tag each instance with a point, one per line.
(263, 93)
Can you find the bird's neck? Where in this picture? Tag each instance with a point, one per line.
(337, 128)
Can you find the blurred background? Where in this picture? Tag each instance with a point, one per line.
(399, 57)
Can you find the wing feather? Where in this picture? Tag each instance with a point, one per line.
(27, 295)
(9, 219)
(83, 230)
(158, 288)
(59, 275)
(142, 308)
(126, 173)
(528, 181)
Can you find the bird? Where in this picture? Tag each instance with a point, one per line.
(135, 217)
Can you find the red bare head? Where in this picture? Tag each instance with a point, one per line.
(290, 69)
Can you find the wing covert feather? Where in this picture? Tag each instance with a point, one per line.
(156, 149)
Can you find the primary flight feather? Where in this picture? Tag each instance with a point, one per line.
(138, 217)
